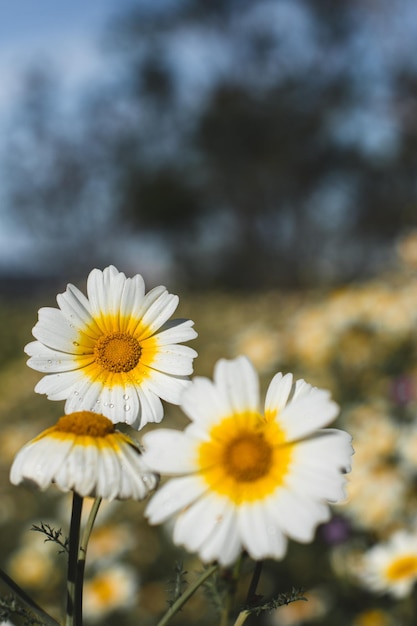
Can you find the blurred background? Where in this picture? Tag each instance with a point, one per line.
(259, 158)
(238, 144)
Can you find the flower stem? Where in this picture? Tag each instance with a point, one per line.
(74, 608)
(251, 595)
(186, 595)
(82, 553)
(232, 576)
(242, 617)
(27, 601)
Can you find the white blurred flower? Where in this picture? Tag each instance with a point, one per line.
(391, 567)
(113, 588)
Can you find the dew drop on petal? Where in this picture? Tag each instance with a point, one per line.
(127, 407)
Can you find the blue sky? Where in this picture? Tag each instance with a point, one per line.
(25, 22)
(65, 35)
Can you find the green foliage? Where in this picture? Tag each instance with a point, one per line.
(281, 599)
(52, 535)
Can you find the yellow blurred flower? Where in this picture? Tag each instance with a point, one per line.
(372, 617)
(111, 589)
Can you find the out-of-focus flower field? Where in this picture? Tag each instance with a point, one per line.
(359, 341)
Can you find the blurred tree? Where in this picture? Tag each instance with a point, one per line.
(54, 186)
(247, 137)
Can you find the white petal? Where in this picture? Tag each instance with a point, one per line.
(131, 405)
(38, 461)
(136, 479)
(147, 302)
(108, 474)
(297, 516)
(172, 497)
(166, 386)
(152, 410)
(328, 449)
(176, 331)
(317, 484)
(44, 359)
(83, 395)
(132, 296)
(301, 388)
(224, 543)
(259, 532)
(169, 451)
(69, 473)
(278, 393)
(104, 289)
(55, 331)
(202, 402)
(318, 463)
(76, 308)
(59, 386)
(176, 360)
(307, 413)
(89, 475)
(199, 521)
(238, 382)
(159, 312)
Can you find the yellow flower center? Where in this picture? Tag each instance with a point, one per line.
(246, 457)
(403, 567)
(84, 423)
(117, 352)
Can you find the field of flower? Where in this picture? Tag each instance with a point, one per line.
(360, 342)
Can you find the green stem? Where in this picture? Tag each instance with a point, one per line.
(82, 553)
(251, 596)
(26, 600)
(74, 609)
(186, 595)
(241, 618)
(232, 579)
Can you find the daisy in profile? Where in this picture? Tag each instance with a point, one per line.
(84, 453)
(391, 567)
(113, 352)
(243, 478)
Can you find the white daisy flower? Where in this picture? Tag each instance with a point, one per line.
(247, 480)
(113, 588)
(84, 453)
(391, 567)
(115, 352)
